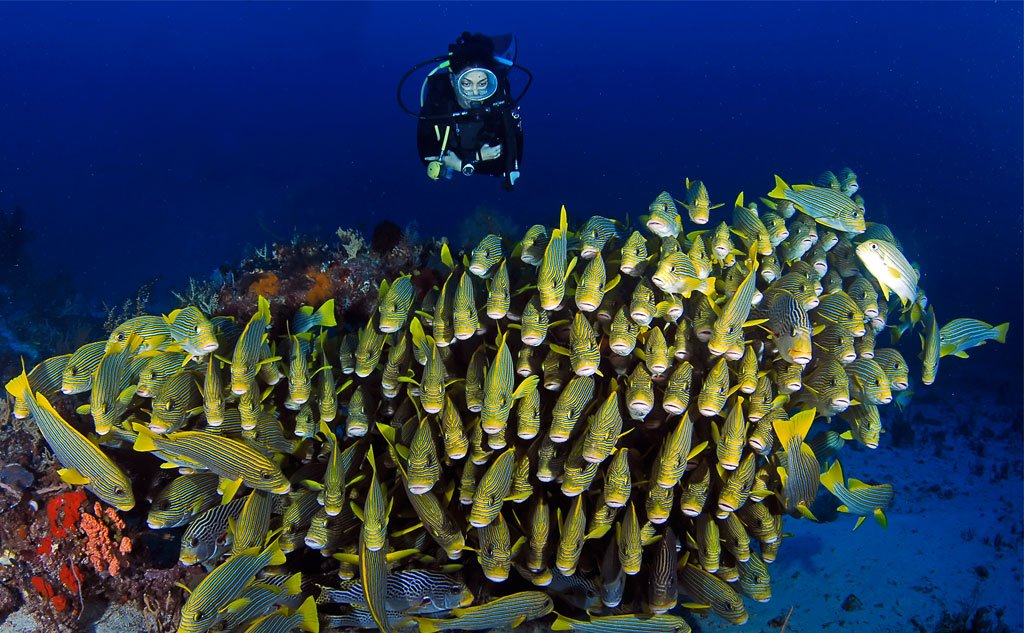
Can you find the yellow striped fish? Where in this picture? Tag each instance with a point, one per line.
(374, 514)
(499, 293)
(962, 334)
(709, 590)
(182, 500)
(890, 269)
(82, 461)
(495, 549)
(424, 469)
(156, 370)
(534, 323)
(179, 398)
(592, 285)
(395, 305)
(306, 318)
(554, 269)
(505, 612)
(584, 347)
(45, 379)
(190, 329)
(570, 543)
(633, 255)
(662, 584)
(485, 256)
(894, 366)
(492, 489)
(670, 464)
(698, 202)
(246, 359)
(857, 497)
(800, 475)
(113, 387)
(727, 331)
(227, 457)
(499, 395)
(664, 220)
(437, 521)
(603, 428)
(623, 333)
(205, 604)
(78, 374)
(931, 349)
(627, 533)
(827, 206)
(465, 318)
(594, 234)
(569, 408)
(631, 623)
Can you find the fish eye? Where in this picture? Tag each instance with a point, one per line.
(198, 329)
(193, 542)
(849, 315)
(72, 372)
(874, 247)
(121, 336)
(833, 382)
(264, 474)
(119, 491)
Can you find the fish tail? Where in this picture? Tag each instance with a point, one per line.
(19, 386)
(145, 442)
(325, 314)
(780, 188)
(308, 620)
(427, 625)
(833, 476)
(1001, 332)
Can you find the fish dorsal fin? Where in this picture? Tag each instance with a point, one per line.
(446, 256)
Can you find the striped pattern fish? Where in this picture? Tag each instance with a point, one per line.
(960, 335)
(83, 463)
(827, 206)
(857, 497)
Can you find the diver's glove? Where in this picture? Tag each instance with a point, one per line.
(489, 153)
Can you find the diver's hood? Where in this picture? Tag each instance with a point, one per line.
(498, 67)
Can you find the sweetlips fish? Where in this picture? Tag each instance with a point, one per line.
(960, 335)
(827, 206)
(485, 392)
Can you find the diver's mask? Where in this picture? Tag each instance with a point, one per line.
(475, 85)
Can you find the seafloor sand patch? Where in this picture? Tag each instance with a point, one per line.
(954, 535)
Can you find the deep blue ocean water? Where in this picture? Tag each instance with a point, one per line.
(159, 138)
(164, 139)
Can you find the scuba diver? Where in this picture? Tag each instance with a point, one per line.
(468, 121)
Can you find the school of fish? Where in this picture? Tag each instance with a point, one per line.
(600, 428)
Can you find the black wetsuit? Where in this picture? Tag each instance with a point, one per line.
(496, 122)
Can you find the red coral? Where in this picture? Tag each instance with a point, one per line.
(69, 576)
(45, 589)
(104, 553)
(45, 546)
(321, 290)
(63, 512)
(267, 285)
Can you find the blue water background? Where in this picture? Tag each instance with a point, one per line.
(155, 138)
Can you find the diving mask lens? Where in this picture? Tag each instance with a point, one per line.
(476, 84)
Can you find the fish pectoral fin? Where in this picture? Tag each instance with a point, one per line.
(806, 512)
(695, 606)
(73, 477)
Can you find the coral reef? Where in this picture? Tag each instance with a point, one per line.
(308, 271)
